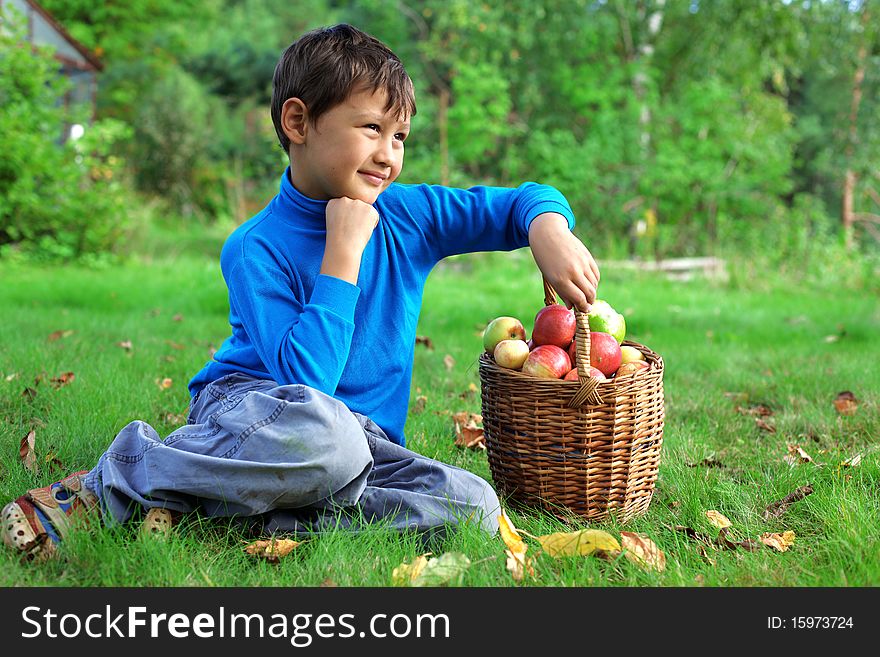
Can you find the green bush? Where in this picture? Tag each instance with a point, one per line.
(58, 199)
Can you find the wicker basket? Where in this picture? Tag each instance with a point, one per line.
(589, 448)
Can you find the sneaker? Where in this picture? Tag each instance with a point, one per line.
(37, 521)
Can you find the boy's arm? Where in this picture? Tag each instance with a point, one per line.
(564, 260)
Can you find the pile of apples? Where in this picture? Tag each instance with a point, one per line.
(551, 352)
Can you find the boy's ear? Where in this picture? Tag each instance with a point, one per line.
(295, 120)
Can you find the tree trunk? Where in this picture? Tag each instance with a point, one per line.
(850, 177)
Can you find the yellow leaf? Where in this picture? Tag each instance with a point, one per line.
(517, 563)
(717, 519)
(445, 569)
(405, 573)
(642, 551)
(583, 542)
(272, 549)
(779, 542)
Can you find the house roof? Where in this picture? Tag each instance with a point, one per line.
(87, 54)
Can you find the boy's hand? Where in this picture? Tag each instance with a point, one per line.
(564, 260)
(350, 225)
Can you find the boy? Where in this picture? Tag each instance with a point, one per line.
(296, 425)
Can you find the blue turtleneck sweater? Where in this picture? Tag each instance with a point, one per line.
(355, 342)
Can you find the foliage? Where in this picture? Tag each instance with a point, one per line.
(57, 200)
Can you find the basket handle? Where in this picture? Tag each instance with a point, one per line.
(588, 392)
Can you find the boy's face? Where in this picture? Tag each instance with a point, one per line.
(355, 150)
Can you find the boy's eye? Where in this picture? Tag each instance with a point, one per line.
(372, 126)
(400, 136)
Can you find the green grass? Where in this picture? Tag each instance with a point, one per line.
(723, 346)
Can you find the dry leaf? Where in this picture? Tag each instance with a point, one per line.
(517, 563)
(62, 379)
(852, 462)
(425, 340)
(30, 393)
(445, 569)
(717, 519)
(448, 361)
(57, 335)
(796, 455)
(272, 549)
(731, 544)
(846, 403)
(769, 428)
(642, 551)
(405, 573)
(419, 404)
(125, 344)
(177, 318)
(779, 542)
(165, 383)
(759, 410)
(26, 451)
(175, 345)
(709, 462)
(10, 377)
(584, 542)
(468, 433)
(777, 508)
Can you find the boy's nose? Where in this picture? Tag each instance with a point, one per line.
(384, 153)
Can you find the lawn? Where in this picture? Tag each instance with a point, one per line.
(132, 335)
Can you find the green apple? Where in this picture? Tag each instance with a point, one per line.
(502, 328)
(604, 319)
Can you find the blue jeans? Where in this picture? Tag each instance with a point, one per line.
(284, 459)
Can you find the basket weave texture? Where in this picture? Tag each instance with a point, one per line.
(589, 448)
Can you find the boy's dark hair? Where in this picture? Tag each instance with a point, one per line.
(325, 65)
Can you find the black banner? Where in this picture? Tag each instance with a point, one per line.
(391, 621)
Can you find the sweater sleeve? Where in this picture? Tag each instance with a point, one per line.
(305, 341)
(488, 218)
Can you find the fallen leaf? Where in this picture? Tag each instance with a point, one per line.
(709, 462)
(796, 455)
(779, 542)
(584, 542)
(177, 318)
(731, 543)
(57, 335)
(125, 344)
(175, 345)
(719, 520)
(852, 462)
(445, 569)
(425, 340)
(30, 393)
(759, 410)
(272, 549)
(517, 563)
(642, 551)
(62, 379)
(165, 383)
(769, 428)
(26, 451)
(777, 508)
(846, 403)
(328, 583)
(419, 404)
(10, 377)
(405, 573)
(54, 462)
(468, 432)
(448, 361)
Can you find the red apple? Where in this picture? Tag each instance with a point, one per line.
(554, 324)
(605, 353)
(594, 373)
(502, 328)
(511, 353)
(547, 361)
(632, 367)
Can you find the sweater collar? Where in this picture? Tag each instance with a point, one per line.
(296, 202)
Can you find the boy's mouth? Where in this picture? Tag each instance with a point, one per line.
(377, 179)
